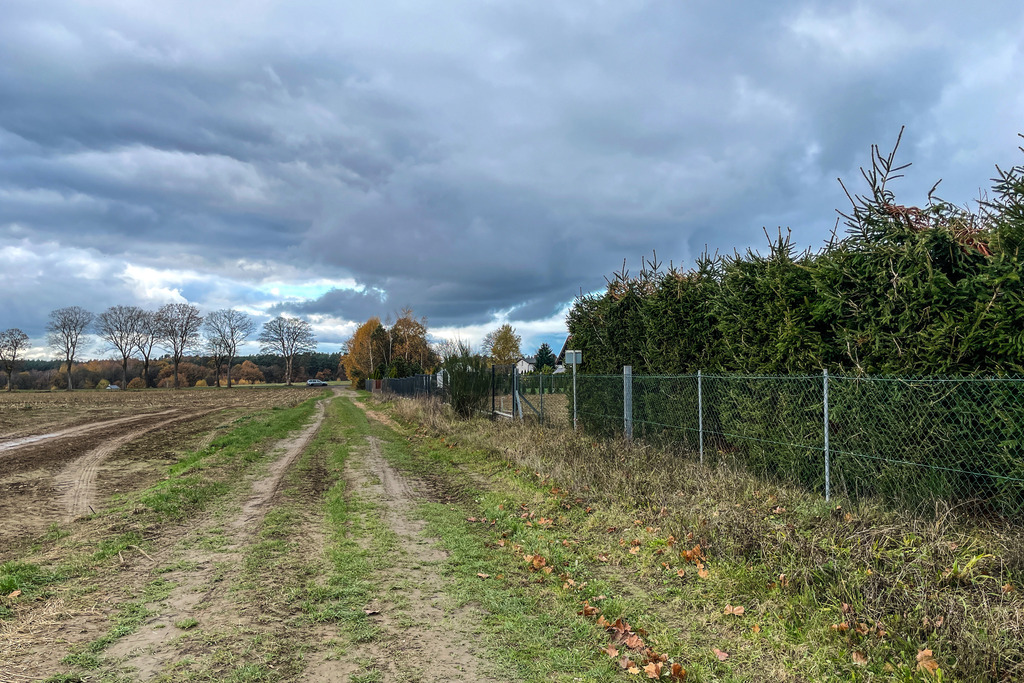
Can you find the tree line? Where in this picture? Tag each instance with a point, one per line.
(908, 290)
(177, 329)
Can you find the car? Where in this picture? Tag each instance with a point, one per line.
(113, 387)
(315, 383)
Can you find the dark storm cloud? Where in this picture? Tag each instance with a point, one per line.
(470, 160)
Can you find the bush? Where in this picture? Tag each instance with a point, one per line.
(201, 383)
(102, 384)
(136, 383)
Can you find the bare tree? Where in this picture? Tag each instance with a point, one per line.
(178, 331)
(67, 331)
(288, 337)
(213, 347)
(12, 342)
(226, 330)
(149, 337)
(121, 327)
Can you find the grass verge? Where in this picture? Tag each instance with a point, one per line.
(731, 577)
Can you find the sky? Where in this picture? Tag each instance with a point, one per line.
(478, 161)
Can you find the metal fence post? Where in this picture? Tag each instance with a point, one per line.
(574, 427)
(700, 415)
(828, 478)
(493, 389)
(540, 380)
(627, 401)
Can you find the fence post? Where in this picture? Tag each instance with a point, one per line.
(574, 396)
(627, 401)
(540, 380)
(828, 477)
(700, 415)
(493, 416)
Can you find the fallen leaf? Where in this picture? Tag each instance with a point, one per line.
(703, 573)
(859, 658)
(721, 654)
(681, 572)
(678, 673)
(736, 611)
(634, 642)
(547, 570)
(14, 594)
(633, 670)
(602, 558)
(369, 611)
(634, 551)
(1008, 588)
(483, 576)
(611, 651)
(602, 622)
(653, 670)
(755, 628)
(926, 662)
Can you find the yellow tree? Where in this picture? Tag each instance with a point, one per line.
(362, 351)
(502, 345)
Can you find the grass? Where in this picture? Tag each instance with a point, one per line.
(835, 592)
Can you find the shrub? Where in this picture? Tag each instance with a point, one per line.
(201, 383)
(136, 383)
(102, 384)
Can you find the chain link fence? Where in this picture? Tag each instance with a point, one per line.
(909, 440)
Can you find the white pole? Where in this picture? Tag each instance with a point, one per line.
(828, 480)
(700, 416)
(574, 427)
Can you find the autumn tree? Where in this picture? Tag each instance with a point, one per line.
(225, 331)
(121, 328)
(502, 345)
(67, 331)
(287, 337)
(12, 342)
(178, 328)
(248, 372)
(149, 337)
(409, 337)
(363, 354)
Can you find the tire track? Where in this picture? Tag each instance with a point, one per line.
(263, 490)
(15, 444)
(77, 481)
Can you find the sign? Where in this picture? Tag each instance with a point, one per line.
(573, 357)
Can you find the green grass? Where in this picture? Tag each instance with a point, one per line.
(797, 565)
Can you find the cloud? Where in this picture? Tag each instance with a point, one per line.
(478, 162)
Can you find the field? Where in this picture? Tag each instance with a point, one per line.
(282, 534)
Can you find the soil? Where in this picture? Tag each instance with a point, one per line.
(204, 563)
(421, 640)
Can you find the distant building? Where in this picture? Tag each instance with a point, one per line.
(526, 364)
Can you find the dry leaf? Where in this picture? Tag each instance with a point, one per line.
(927, 663)
(681, 572)
(678, 673)
(755, 628)
(1008, 588)
(634, 551)
(634, 642)
(370, 612)
(721, 654)
(14, 594)
(859, 658)
(736, 611)
(602, 622)
(483, 576)
(611, 651)
(653, 670)
(703, 573)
